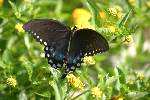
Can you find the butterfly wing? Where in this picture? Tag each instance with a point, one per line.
(54, 35)
(85, 42)
(47, 31)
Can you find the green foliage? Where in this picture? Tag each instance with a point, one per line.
(122, 72)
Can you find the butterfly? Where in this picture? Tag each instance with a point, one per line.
(65, 46)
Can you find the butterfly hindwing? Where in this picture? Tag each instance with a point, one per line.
(86, 42)
(55, 58)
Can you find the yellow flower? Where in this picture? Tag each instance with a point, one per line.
(127, 39)
(80, 15)
(75, 81)
(118, 8)
(88, 60)
(96, 92)
(11, 81)
(112, 11)
(119, 11)
(117, 98)
(120, 98)
(102, 14)
(148, 3)
(81, 25)
(1, 3)
(140, 76)
(19, 28)
(132, 2)
(131, 82)
(111, 28)
(116, 11)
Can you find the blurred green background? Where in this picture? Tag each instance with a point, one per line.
(121, 73)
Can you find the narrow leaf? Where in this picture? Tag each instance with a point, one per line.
(123, 21)
(95, 12)
(14, 7)
(44, 94)
(136, 95)
(28, 65)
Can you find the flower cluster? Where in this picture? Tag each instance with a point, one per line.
(131, 82)
(96, 92)
(81, 18)
(116, 11)
(148, 3)
(140, 76)
(117, 98)
(1, 3)
(88, 60)
(11, 81)
(111, 28)
(80, 15)
(112, 11)
(127, 39)
(132, 2)
(75, 81)
(19, 28)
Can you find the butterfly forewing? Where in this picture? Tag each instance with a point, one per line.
(54, 35)
(47, 31)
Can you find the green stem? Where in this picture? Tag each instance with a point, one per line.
(79, 95)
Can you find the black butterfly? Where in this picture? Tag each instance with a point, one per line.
(64, 46)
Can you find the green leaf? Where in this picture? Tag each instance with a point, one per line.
(103, 97)
(110, 80)
(59, 6)
(2, 65)
(103, 30)
(28, 65)
(11, 42)
(121, 76)
(2, 86)
(26, 40)
(95, 12)
(136, 95)
(93, 5)
(22, 95)
(7, 57)
(14, 7)
(139, 42)
(123, 21)
(117, 85)
(44, 94)
(2, 44)
(55, 73)
(64, 89)
(116, 71)
(57, 90)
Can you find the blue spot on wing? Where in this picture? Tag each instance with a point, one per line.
(55, 58)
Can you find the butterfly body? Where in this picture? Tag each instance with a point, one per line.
(63, 45)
